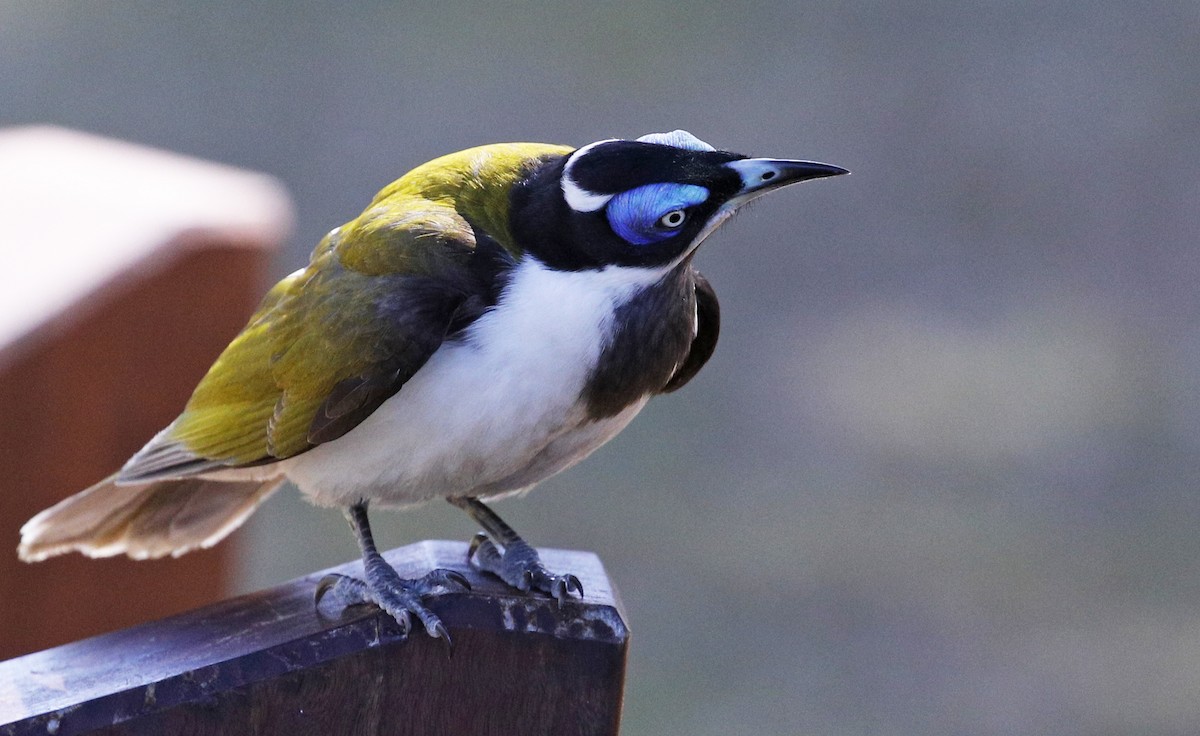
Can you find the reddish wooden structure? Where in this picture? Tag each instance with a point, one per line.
(127, 271)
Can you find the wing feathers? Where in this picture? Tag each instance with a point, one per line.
(332, 341)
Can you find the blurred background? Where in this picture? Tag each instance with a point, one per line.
(941, 475)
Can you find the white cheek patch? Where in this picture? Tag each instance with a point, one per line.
(578, 198)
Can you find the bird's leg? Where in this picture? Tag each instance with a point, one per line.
(518, 564)
(383, 586)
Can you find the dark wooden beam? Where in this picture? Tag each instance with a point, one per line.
(271, 663)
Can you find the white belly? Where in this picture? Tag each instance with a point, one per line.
(492, 413)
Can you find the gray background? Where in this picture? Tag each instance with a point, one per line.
(941, 475)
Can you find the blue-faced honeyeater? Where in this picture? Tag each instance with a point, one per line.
(490, 319)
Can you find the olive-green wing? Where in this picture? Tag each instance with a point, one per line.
(328, 344)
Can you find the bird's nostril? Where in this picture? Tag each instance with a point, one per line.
(768, 175)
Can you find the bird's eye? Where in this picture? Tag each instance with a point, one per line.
(673, 219)
(653, 212)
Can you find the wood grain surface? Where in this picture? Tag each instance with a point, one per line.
(271, 663)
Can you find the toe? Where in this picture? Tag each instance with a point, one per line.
(439, 581)
(347, 591)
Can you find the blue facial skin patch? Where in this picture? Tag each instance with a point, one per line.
(636, 215)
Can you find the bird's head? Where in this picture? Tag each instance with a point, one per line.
(644, 203)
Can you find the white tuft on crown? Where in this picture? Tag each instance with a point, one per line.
(679, 139)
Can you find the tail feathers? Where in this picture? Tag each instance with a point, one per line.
(145, 520)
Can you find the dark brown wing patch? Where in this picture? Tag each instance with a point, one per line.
(708, 326)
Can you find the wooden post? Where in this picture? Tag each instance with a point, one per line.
(126, 271)
(271, 663)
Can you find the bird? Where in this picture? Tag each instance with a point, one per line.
(490, 319)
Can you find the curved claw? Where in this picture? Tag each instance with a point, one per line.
(476, 541)
(459, 579)
(404, 618)
(450, 579)
(324, 585)
(562, 587)
(574, 584)
(438, 631)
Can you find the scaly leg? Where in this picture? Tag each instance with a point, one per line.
(384, 587)
(518, 564)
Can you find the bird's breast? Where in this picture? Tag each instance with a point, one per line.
(507, 402)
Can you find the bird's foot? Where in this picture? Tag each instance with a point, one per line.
(401, 598)
(519, 566)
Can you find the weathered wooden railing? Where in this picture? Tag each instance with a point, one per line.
(272, 663)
